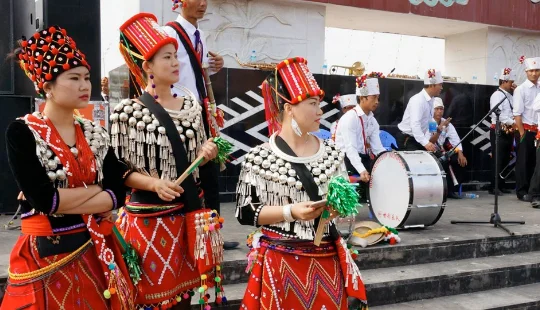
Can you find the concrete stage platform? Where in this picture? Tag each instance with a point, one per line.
(445, 266)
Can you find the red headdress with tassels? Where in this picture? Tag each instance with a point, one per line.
(292, 82)
(140, 39)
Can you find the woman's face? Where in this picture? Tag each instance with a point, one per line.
(71, 89)
(307, 114)
(164, 66)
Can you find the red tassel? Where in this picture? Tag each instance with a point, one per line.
(271, 110)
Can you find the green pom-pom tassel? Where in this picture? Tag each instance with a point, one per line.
(224, 150)
(132, 261)
(342, 196)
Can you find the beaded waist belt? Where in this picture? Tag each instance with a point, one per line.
(143, 210)
(39, 274)
(299, 247)
(156, 209)
(504, 127)
(533, 128)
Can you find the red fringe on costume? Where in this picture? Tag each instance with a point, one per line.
(161, 243)
(78, 285)
(271, 109)
(302, 276)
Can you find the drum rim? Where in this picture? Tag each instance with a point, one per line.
(445, 190)
(411, 186)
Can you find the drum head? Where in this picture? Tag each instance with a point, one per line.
(389, 189)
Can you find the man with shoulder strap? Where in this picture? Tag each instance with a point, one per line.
(534, 189)
(506, 118)
(526, 123)
(417, 127)
(193, 54)
(357, 132)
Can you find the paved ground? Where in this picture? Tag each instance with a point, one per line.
(466, 209)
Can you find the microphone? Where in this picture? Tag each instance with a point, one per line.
(446, 156)
(394, 69)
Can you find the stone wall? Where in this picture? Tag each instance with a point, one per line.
(274, 29)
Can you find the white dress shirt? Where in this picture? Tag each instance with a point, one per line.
(452, 135)
(417, 116)
(333, 128)
(507, 116)
(536, 107)
(524, 96)
(187, 75)
(350, 139)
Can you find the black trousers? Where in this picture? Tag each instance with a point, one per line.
(209, 175)
(363, 187)
(408, 143)
(525, 162)
(534, 189)
(503, 156)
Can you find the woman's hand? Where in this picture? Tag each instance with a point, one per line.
(209, 150)
(305, 211)
(166, 190)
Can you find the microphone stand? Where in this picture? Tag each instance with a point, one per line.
(495, 218)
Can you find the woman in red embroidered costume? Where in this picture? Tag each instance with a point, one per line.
(65, 169)
(281, 187)
(160, 134)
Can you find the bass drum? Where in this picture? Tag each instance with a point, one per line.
(407, 189)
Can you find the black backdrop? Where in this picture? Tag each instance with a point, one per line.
(238, 90)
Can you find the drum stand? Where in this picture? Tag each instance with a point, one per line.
(495, 218)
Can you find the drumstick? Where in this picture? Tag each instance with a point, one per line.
(342, 200)
(326, 217)
(191, 167)
(224, 149)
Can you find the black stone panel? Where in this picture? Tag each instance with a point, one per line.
(465, 103)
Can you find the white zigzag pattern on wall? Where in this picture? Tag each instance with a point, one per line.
(255, 131)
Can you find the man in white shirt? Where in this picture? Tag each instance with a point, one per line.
(415, 130)
(526, 123)
(357, 132)
(447, 138)
(193, 54)
(191, 12)
(534, 189)
(346, 103)
(506, 118)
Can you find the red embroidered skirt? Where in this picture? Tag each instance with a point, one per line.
(297, 275)
(77, 285)
(160, 239)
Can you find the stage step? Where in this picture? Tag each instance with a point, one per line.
(435, 280)
(519, 297)
(432, 280)
(406, 255)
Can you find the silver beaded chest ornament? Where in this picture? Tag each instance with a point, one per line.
(136, 134)
(96, 137)
(269, 171)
